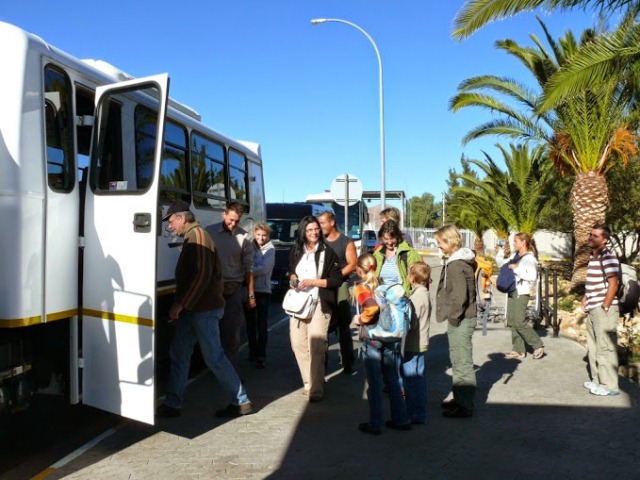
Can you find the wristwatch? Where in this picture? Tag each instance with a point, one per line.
(252, 297)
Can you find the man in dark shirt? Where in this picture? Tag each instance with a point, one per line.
(197, 308)
(345, 250)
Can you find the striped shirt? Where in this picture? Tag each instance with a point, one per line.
(389, 273)
(600, 268)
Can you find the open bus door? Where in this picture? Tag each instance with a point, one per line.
(120, 248)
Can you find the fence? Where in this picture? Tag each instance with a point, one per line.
(548, 310)
(423, 238)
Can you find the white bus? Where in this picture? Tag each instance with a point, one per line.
(90, 160)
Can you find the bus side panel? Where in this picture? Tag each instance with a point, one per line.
(21, 261)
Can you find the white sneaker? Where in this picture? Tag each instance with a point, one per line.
(603, 392)
(591, 384)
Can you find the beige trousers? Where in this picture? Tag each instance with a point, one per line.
(309, 345)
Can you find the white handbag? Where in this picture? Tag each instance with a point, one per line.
(298, 304)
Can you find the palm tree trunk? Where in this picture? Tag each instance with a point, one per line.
(478, 245)
(589, 201)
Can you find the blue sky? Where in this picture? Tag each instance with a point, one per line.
(258, 70)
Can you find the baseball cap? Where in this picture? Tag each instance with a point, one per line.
(176, 207)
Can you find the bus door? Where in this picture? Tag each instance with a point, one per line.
(120, 243)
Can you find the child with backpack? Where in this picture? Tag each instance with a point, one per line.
(417, 343)
(381, 355)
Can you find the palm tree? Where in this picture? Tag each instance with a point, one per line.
(475, 14)
(582, 135)
(472, 215)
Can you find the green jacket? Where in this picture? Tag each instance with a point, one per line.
(407, 256)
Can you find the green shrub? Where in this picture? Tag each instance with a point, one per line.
(567, 304)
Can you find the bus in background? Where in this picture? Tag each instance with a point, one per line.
(91, 158)
(283, 218)
(358, 216)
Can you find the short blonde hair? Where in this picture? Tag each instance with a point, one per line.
(262, 226)
(421, 273)
(450, 235)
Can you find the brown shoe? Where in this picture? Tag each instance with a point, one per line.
(233, 411)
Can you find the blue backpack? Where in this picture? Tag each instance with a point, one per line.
(395, 313)
(506, 281)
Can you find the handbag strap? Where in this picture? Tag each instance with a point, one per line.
(320, 265)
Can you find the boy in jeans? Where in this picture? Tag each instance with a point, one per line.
(417, 343)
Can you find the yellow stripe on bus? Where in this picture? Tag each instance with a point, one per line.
(36, 319)
(145, 322)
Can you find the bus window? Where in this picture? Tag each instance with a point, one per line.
(238, 177)
(256, 191)
(107, 172)
(207, 163)
(174, 174)
(59, 130)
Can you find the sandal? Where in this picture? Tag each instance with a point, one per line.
(538, 353)
(514, 355)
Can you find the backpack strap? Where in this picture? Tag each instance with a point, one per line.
(604, 275)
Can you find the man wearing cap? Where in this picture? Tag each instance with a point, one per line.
(236, 254)
(197, 308)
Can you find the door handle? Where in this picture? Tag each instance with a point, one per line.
(142, 222)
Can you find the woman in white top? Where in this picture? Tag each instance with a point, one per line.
(525, 267)
(313, 268)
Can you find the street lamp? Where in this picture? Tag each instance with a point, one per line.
(316, 21)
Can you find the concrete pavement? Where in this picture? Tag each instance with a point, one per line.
(533, 420)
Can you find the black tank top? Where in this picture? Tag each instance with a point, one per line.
(339, 246)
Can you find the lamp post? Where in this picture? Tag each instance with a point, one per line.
(317, 21)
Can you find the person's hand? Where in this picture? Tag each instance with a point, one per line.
(174, 311)
(356, 320)
(308, 283)
(251, 303)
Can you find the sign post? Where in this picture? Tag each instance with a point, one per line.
(346, 190)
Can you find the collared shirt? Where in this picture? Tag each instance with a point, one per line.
(600, 268)
(235, 249)
(307, 268)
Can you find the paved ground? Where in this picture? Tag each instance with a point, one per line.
(533, 420)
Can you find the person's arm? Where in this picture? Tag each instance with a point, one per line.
(612, 289)
(331, 276)
(369, 309)
(500, 260)
(458, 290)
(527, 268)
(352, 259)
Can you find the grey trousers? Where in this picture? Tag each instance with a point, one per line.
(602, 339)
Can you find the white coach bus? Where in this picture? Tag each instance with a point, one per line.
(90, 160)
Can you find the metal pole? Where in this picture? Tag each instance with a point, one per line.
(317, 21)
(346, 204)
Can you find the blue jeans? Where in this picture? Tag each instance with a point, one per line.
(415, 385)
(201, 327)
(381, 366)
